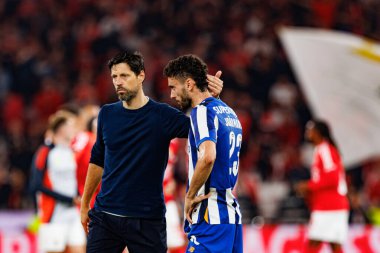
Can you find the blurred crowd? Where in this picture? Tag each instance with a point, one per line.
(55, 52)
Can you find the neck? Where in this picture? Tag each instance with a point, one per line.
(61, 141)
(199, 97)
(137, 102)
(319, 141)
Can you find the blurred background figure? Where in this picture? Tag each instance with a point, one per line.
(326, 191)
(55, 184)
(174, 230)
(83, 142)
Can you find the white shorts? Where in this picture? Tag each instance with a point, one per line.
(63, 230)
(173, 226)
(329, 226)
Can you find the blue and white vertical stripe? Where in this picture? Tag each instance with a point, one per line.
(221, 207)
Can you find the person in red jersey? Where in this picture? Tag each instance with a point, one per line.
(83, 142)
(327, 191)
(175, 235)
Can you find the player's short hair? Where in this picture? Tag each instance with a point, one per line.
(134, 60)
(90, 123)
(187, 66)
(70, 108)
(57, 120)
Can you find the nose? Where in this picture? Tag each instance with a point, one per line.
(117, 83)
(172, 94)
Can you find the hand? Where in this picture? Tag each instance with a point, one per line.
(215, 84)
(191, 203)
(77, 200)
(302, 188)
(84, 217)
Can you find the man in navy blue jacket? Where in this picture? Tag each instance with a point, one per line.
(129, 158)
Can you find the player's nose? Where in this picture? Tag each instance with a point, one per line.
(172, 94)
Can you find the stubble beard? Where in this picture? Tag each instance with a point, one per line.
(185, 102)
(128, 96)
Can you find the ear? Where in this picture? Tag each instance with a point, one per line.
(141, 76)
(189, 83)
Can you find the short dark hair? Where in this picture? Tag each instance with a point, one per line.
(187, 66)
(70, 108)
(57, 120)
(90, 122)
(134, 60)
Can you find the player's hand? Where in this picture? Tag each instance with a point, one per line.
(215, 84)
(85, 220)
(191, 203)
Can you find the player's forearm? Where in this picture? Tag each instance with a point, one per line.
(38, 186)
(201, 174)
(327, 180)
(94, 176)
(57, 196)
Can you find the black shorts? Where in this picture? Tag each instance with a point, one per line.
(111, 234)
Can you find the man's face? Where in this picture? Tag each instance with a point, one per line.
(310, 131)
(179, 93)
(68, 129)
(127, 84)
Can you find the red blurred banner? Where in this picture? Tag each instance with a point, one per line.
(291, 239)
(268, 239)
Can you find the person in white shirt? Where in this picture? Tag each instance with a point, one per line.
(56, 190)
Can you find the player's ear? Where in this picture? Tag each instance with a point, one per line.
(189, 84)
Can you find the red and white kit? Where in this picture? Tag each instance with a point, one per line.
(175, 237)
(82, 146)
(328, 200)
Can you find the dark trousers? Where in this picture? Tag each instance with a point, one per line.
(111, 234)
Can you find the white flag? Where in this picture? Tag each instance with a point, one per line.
(340, 76)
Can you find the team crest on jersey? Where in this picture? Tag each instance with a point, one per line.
(193, 239)
(191, 249)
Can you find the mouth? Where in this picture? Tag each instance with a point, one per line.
(121, 90)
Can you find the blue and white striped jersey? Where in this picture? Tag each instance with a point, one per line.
(213, 120)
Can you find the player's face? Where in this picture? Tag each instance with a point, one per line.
(68, 130)
(310, 132)
(179, 93)
(127, 84)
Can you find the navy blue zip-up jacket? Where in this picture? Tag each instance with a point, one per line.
(132, 147)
